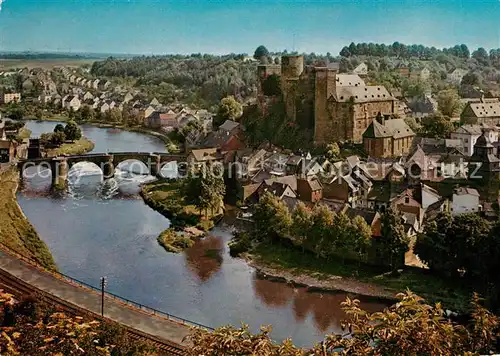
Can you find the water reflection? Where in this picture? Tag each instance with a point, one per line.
(272, 293)
(325, 308)
(204, 259)
(108, 235)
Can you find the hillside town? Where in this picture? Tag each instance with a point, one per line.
(278, 178)
(414, 175)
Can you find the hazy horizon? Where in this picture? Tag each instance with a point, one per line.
(144, 27)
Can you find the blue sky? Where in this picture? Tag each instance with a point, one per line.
(223, 26)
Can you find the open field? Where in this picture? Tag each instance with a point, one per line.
(43, 63)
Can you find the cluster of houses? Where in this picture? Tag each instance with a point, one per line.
(431, 176)
(101, 96)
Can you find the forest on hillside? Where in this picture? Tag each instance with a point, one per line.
(197, 80)
(201, 80)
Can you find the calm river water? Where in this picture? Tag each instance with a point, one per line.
(108, 231)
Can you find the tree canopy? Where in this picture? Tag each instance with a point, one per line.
(449, 102)
(436, 126)
(229, 109)
(72, 131)
(260, 52)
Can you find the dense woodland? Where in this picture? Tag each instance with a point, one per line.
(198, 80)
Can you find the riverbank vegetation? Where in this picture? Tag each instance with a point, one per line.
(409, 327)
(320, 244)
(168, 197)
(77, 147)
(32, 326)
(16, 232)
(66, 140)
(174, 241)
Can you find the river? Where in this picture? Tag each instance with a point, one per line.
(92, 234)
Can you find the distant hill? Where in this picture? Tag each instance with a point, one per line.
(59, 55)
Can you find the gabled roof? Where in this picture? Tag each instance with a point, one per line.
(368, 215)
(466, 191)
(485, 109)
(290, 180)
(229, 125)
(349, 80)
(471, 129)
(361, 94)
(207, 154)
(396, 128)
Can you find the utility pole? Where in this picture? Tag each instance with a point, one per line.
(103, 285)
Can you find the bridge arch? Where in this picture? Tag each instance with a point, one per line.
(134, 166)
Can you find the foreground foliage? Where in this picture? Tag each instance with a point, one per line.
(409, 327)
(32, 327)
(463, 247)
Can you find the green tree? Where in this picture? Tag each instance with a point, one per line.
(481, 56)
(229, 109)
(87, 113)
(362, 236)
(261, 52)
(321, 236)
(272, 218)
(213, 188)
(436, 126)
(448, 102)
(471, 78)
(57, 138)
(394, 242)
(414, 87)
(409, 327)
(332, 151)
(59, 128)
(114, 115)
(301, 224)
(452, 244)
(72, 131)
(341, 237)
(432, 245)
(38, 114)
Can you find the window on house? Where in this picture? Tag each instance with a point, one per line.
(407, 200)
(466, 140)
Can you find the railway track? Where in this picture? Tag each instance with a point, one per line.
(19, 288)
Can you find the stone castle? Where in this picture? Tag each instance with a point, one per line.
(336, 107)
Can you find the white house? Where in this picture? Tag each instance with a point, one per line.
(88, 96)
(361, 69)
(456, 75)
(95, 84)
(429, 196)
(465, 200)
(468, 135)
(72, 102)
(128, 97)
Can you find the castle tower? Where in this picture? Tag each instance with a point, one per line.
(324, 86)
(485, 166)
(291, 70)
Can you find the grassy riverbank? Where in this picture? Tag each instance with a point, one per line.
(173, 241)
(165, 197)
(78, 147)
(304, 267)
(140, 129)
(16, 232)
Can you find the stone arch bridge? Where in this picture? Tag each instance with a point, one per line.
(61, 165)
